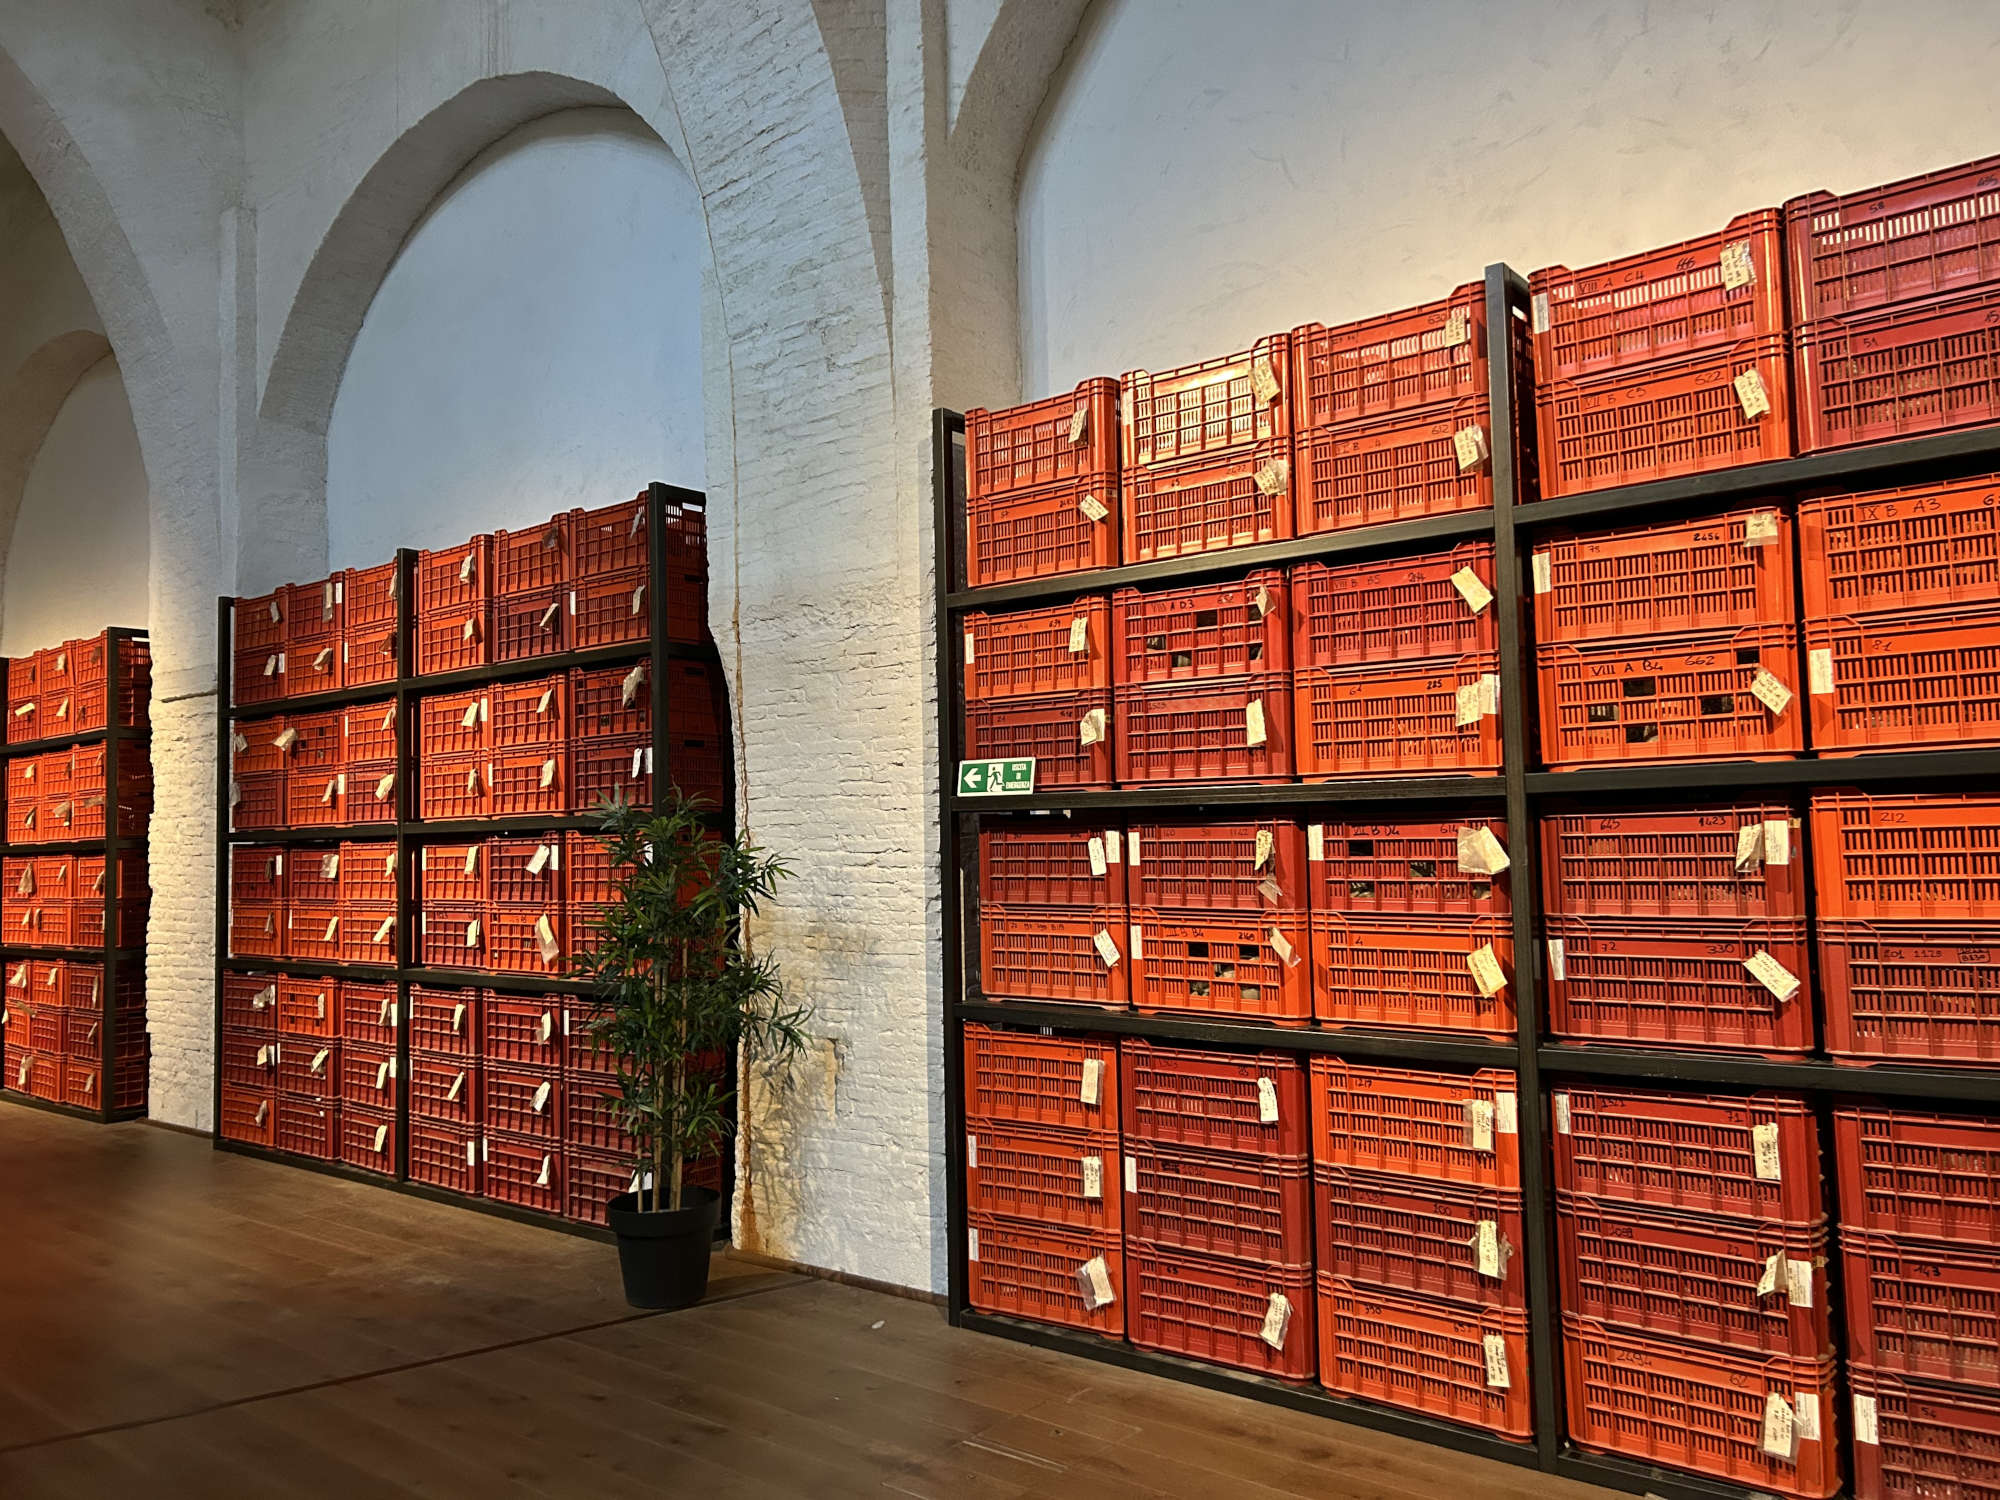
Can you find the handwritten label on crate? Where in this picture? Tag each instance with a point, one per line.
(1774, 976)
(1556, 970)
(1272, 478)
(1316, 842)
(1768, 689)
(1079, 635)
(1480, 851)
(1751, 395)
(1750, 846)
(1263, 380)
(1866, 1429)
(1780, 1428)
(1479, 1124)
(1738, 269)
(1281, 946)
(1457, 328)
(1487, 974)
(1093, 1177)
(1100, 863)
(1819, 670)
(1764, 1150)
(1506, 1113)
(1267, 1102)
(1090, 728)
(1253, 722)
(1093, 508)
(1277, 1320)
(1486, 1242)
(1497, 1375)
(1777, 841)
(1562, 1114)
(1107, 948)
(1093, 1080)
(1093, 1277)
(1472, 589)
(1468, 444)
(1760, 528)
(1260, 849)
(1079, 423)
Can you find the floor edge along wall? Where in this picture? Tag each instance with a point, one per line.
(1597, 1067)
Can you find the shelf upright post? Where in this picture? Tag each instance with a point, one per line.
(407, 772)
(6, 776)
(663, 768)
(114, 848)
(947, 432)
(225, 761)
(1512, 451)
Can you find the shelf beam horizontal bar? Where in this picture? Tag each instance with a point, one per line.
(1808, 1074)
(1350, 1043)
(76, 846)
(66, 741)
(1705, 778)
(1328, 794)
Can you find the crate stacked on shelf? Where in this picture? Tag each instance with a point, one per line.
(1043, 1178)
(1920, 1251)
(1908, 888)
(1665, 363)
(1693, 1251)
(309, 638)
(1679, 928)
(309, 1066)
(1218, 1207)
(328, 768)
(321, 905)
(1054, 923)
(1038, 682)
(74, 893)
(1422, 1300)
(522, 904)
(1675, 641)
(1390, 416)
(1894, 294)
(1042, 486)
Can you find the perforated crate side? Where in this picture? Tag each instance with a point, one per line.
(1050, 953)
(530, 625)
(1397, 720)
(1218, 964)
(1404, 609)
(1675, 577)
(1924, 991)
(1894, 681)
(1229, 499)
(1641, 862)
(1214, 406)
(1200, 633)
(249, 1003)
(1228, 730)
(524, 871)
(602, 705)
(1038, 862)
(1930, 1439)
(444, 1022)
(1445, 1361)
(1045, 1176)
(1425, 1125)
(453, 640)
(1899, 372)
(443, 1155)
(308, 1128)
(1214, 867)
(1052, 730)
(1414, 357)
(1918, 237)
(1215, 1203)
(615, 769)
(1212, 1100)
(1404, 868)
(610, 539)
(523, 1102)
(1032, 1079)
(446, 1089)
(455, 787)
(1919, 547)
(1907, 856)
(368, 1077)
(1410, 973)
(1073, 436)
(608, 611)
(308, 1007)
(249, 1116)
(1911, 1172)
(1069, 527)
(527, 1174)
(1396, 468)
(1064, 649)
(1218, 1310)
(1421, 1238)
(1031, 1271)
(524, 782)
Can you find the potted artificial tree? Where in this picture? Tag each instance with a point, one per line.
(678, 992)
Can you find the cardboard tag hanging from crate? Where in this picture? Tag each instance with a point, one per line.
(1774, 976)
(1094, 1279)
(1498, 1377)
(1750, 393)
(1263, 380)
(1093, 1080)
(1769, 690)
(1277, 1321)
(1472, 589)
(1469, 446)
(1079, 422)
(1738, 268)
(1780, 1434)
(1092, 508)
(1768, 1165)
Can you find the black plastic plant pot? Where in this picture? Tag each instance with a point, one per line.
(663, 1253)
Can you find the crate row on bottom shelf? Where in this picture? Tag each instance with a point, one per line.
(1358, 1225)
(53, 1025)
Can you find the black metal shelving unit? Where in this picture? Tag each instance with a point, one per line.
(1520, 791)
(120, 741)
(410, 832)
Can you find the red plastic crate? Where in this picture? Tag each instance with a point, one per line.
(454, 724)
(685, 541)
(455, 787)
(1212, 1203)
(532, 559)
(1217, 1311)
(248, 1115)
(250, 1002)
(369, 598)
(1216, 964)
(598, 706)
(1049, 728)
(1213, 867)
(1698, 1408)
(591, 1119)
(1073, 436)
(1403, 721)
(592, 1179)
(256, 677)
(694, 764)
(1056, 1177)
(1069, 527)
(312, 876)
(1397, 361)
(368, 934)
(257, 929)
(1025, 652)
(588, 870)
(583, 1054)
(1215, 406)
(1939, 232)
(1051, 953)
(255, 746)
(453, 640)
(607, 611)
(44, 1028)
(1922, 1307)
(1401, 610)
(257, 624)
(620, 770)
(1911, 991)
(368, 1077)
(1022, 862)
(445, 1088)
(1922, 547)
(46, 1078)
(1031, 1271)
(1661, 304)
(443, 1022)
(1403, 869)
(1674, 417)
(521, 1101)
(308, 1007)
(1695, 1278)
(1910, 1172)
(1690, 1152)
(1916, 1439)
(1424, 1239)
(524, 714)
(510, 878)
(528, 781)
(368, 1014)
(83, 986)
(529, 625)
(527, 1174)
(1203, 731)
(1409, 973)
(1642, 863)
(1395, 468)
(367, 873)
(1895, 680)
(1441, 1360)
(1678, 983)
(1032, 1079)
(308, 1128)
(368, 1139)
(1213, 1101)
(611, 539)
(519, 1029)
(368, 733)
(513, 942)
(1916, 856)
(318, 666)
(1198, 634)
(312, 933)
(309, 1068)
(452, 937)
(313, 614)
(1655, 580)
(1899, 372)
(1671, 697)
(1417, 1124)
(1229, 499)
(134, 881)
(315, 799)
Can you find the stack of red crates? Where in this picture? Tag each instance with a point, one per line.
(1052, 912)
(1664, 363)
(1043, 1178)
(1205, 453)
(514, 905)
(53, 1018)
(1038, 683)
(1920, 1257)
(329, 768)
(330, 905)
(1902, 626)
(1390, 416)
(59, 796)
(1412, 926)
(1218, 1207)
(1672, 642)
(1693, 1251)
(1041, 486)
(1656, 921)
(309, 1067)
(1219, 923)
(1418, 1204)
(1909, 925)
(306, 638)
(63, 690)
(1894, 294)
(57, 901)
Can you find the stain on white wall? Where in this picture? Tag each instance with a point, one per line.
(1206, 174)
(81, 545)
(536, 345)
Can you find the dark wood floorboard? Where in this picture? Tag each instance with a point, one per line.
(178, 1323)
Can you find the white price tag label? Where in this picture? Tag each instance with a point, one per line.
(1093, 1178)
(1472, 590)
(1865, 1427)
(1738, 269)
(1806, 1404)
(1093, 1080)
(1262, 601)
(1316, 842)
(319, 1059)
(1267, 1102)
(1750, 393)
(1099, 863)
(1770, 691)
(542, 1177)
(542, 1096)
(1777, 841)
(1469, 445)
(381, 1135)
(629, 689)
(545, 940)
(1253, 722)
(1079, 422)
(971, 1152)
(1497, 1375)
(1480, 851)
(1798, 1283)
(1457, 328)
(1277, 1320)
(1486, 1247)
(1538, 313)
(1479, 1124)
(1764, 1147)
(1774, 976)
(972, 1243)
(1079, 635)
(1486, 972)
(1750, 846)
(382, 1072)
(1094, 1278)
(1112, 840)
(457, 1087)
(1468, 697)
(1773, 1275)
(1107, 948)
(1819, 671)
(1136, 935)
(1507, 1113)
(1780, 1428)
(539, 860)
(1557, 973)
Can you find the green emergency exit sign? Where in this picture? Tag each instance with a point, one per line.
(996, 778)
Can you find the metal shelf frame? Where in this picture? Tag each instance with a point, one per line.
(409, 832)
(121, 743)
(1520, 790)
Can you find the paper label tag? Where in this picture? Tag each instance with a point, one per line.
(1806, 1404)
(1480, 851)
(1260, 854)
(1777, 841)
(1469, 443)
(1497, 1376)
(1486, 971)
(1267, 1102)
(542, 1096)
(457, 1087)
(1819, 670)
(1457, 328)
(1562, 1114)
(1093, 1079)
(1282, 946)
(320, 1057)
(1271, 478)
(542, 1177)
(1316, 842)
(1079, 422)
(1760, 528)
(1093, 1177)
(1774, 976)
(285, 739)
(1780, 1435)
(1263, 380)
(1506, 1113)
(1538, 313)
(1768, 690)
(1094, 1277)
(1112, 840)
(1774, 1271)
(539, 860)
(1556, 970)
(1131, 1174)
(1540, 564)
(1090, 728)
(458, 1013)
(1079, 635)
(1468, 705)
(549, 772)
(1099, 864)
(1865, 1429)
(1472, 590)
(382, 932)
(1798, 1283)
(1764, 1146)
(1751, 394)
(1136, 935)
(1277, 1320)
(1262, 600)
(971, 1151)
(545, 940)
(1486, 1247)
(1107, 948)
(381, 1135)
(629, 689)
(385, 786)
(472, 859)
(471, 937)
(972, 1242)
(1092, 508)
(1750, 846)
(1269, 890)
(548, 1027)
(1738, 269)
(1253, 722)
(1479, 1124)
(382, 1072)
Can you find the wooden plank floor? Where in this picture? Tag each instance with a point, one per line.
(176, 1323)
